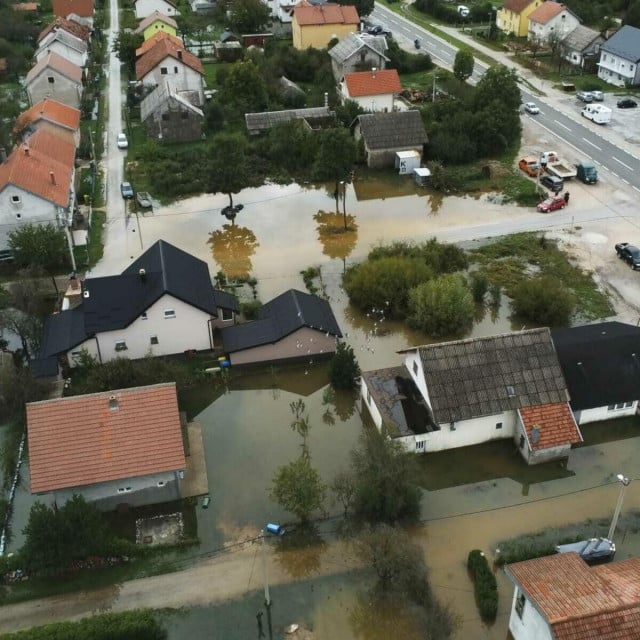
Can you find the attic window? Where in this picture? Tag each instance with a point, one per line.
(144, 315)
(15, 199)
(153, 340)
(163, 71)
(169, 313)
(226, 314)
(51, 79)
(415, 368)
(113, 403)
(520, 602)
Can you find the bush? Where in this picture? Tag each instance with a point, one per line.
(485, 584)
(479, 286)
(543, 300)
(250, 309)
(440, 257)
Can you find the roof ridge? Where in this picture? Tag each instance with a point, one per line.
(162, 264)
(481, 338)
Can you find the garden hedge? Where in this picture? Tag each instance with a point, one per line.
(485, 585)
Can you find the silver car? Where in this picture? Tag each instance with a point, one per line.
(584, 96)
(598, 96)
(531, 107)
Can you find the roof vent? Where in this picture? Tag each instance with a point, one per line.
(535, 434)
(113, 403)
(85, 293)
(142, 274)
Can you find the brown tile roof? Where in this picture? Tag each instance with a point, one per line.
(154, 17)
(73, 27)
(25, 6)
(370, 83)
(546, 11)
(555, 425)
(156, 37)
(516, 6)
(37, 173)
(81, 440)
(51, 111)
(306, 14)
(159, 52)
(62, 8)
(55, 61)
(581, 602)
(52, 146)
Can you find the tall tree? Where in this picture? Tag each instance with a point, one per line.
(125, 46)
(498, 83)
(249, 16)
(228, 165)
(335, 158)
(244, 90)
(463, 65)
(297, 487)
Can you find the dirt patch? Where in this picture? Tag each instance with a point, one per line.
(159, 530)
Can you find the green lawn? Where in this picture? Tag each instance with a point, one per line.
(211, 72)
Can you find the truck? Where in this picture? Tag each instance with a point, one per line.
(597, 113)
(530, 165)
(587, 172)
(555, 166)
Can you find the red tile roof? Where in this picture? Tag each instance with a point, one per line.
(555, 425)
(581, 602)
(62, 8)
(546, 11)
(160, 51)
(52, 146)
(373, 83)
(516, 6)
(51, 111)
(25, 6)
(73, 27)
(154, 17)
(80, 440)
(55, 61)
(150, 42)
(306, 14)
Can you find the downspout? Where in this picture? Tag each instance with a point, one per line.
(98, 346)
(209, 322)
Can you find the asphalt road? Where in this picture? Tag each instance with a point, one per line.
(587, 143)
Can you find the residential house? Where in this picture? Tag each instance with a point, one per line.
(202, 7)
(50, 115)
(169, 117)
(513, 17)
(64, 8)
(373, 90)
(384, 134)
(551, 21)
(292, 326)
(55, 77)
(37, 184)
(282, 10)
(601, 364)
(581, 47)
(165, 61)
(113, 448)
(156, 37)
(156, 22)
(163, 303)
(66, 45)
(145, 8)
(466, 392)
(313, 117)
(620, 58)
(358, 52)
(561, 597)
(74, 28)
(316, 25)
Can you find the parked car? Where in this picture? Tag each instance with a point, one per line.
(598, 96)
(126, 190)
(123, 143)
(627, 103)
(629, 253)
(378, 30)
(531, 107)
(531, 166)
(144, 200)
(584, 96)
(593, 551)
(552, 204)
(553, 183)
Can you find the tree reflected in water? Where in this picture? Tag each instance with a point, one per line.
(337, 241)
(299, 552)
(376, 616)
(232, 248)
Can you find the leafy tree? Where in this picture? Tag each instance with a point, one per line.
(228, 165)
(214, 116)
(463, 65)
(27, 327)
(498, 84)
(363, 7)
(125, 46)
(344, 487)
(632, 17)
(335, 158)
(441, 257)
(249, 16)
(479, 286)
(344, 369)
(543, 300)
(17, 387)
(297, 487)
(442, 307)
(292, 146)
(244, 90)
(405, 62)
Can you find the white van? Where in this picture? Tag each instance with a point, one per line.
(598, 113)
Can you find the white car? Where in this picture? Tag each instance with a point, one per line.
(123, 143)
(531, 107)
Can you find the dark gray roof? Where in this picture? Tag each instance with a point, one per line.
(62, 331)
(601, 363)
(44, 367)
(485, 376)
(350, 45)
(581, 38)
(280, 317)
(625, 43)
(392, 130)
(259, 122)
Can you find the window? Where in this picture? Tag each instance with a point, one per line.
(415, 368)
(420, 445)
(498, 425)
(165, 117)
(368, 396)
(521, 442)
(124, 489)
(161, 483)
(154, 340)
(169, 313)
(121, 345)
(226, 314)
(520, 602)
(16, 199)
(620, 405)
(184, 115)
(144, 315)
(175, 69)
(18, 216)
(163, 71)
(51, 79)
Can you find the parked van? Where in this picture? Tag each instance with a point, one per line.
(598, 113)
(587, 172)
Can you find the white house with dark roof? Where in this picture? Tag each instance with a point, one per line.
(292, 326)
(461, 393)
(620, 58)
(358, 52)
(163, 303)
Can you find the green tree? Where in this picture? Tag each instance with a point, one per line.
(544, 301)
(498, 84)
(343, 368)
(297, 487)
(343, 486)
(228, 165)
(632, 17)
(249, 16)
(442, 307)
(292, 146)
(463, 65)
(335, 158)
(244, 90)
(125, 46)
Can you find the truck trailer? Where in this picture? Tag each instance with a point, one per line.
(555, 166)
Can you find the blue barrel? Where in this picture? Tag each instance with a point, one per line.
(225, 364)
(274, 528)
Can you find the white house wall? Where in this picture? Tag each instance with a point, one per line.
(179, 75)
(370, 103)
(62, 89)
(145, 8)
(616, 70)
(563, 24)
(532, 626)
(413, 364)
(371, 405)
(68, 53)
(604, 413)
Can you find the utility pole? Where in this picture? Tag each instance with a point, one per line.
(624, 483)
(267, 597)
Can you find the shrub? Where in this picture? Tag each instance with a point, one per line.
(484, 583)
(344, 369)
(543, 300)
(441, 257)
(250, 309)
(479, 286)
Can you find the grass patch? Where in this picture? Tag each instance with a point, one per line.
(211, 72)
(90, 255)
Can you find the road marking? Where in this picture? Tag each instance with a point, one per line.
(622, 163)
(636, 188)
(564, 126)
(593, 145)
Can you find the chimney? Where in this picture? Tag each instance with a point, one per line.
(326, 99)
(113, 403)
(26, 149)
(53, 177)
(373, 72)
(179, 54)
(142, 274)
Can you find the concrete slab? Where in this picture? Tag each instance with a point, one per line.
(164, 529)
(195, 481)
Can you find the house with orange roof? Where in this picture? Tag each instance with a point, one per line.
(64, 44)
(145, 8)
(121, 447)
(55, 77)
(50, 115)
(157, 22)
(74, 28)
(373, 90)
(166, 62)
(466, 392)
(513, 16)
(156, 37)
(560, 597)
(64, 8)
(551, 20)
(316, 25)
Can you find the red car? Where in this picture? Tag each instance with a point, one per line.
(552, 204)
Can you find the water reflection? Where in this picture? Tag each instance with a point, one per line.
(232, 247)
(299, 552)
(342, 403)
(338, 234)
(378, 617)
(435, 200)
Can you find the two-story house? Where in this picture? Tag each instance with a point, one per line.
(145, 8)
(513, 17)
(155, 23)
(373, 90)
(620, 58)
(58, 119)
(358, 52)
(55, 77)
(66, 45)
(316, 25)
(551, 20)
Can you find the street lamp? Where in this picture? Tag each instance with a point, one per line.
(624, 483)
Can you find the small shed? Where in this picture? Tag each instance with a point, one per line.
(421, 175)
(407, 161)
